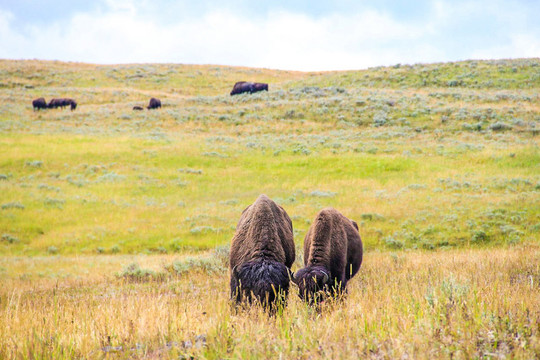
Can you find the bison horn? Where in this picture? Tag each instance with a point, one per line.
(325, 277)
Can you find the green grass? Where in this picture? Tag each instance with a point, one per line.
(108, 216)
(138, 194)
(380, 141)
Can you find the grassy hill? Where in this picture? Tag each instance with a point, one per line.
(423, 156)
(115, 223)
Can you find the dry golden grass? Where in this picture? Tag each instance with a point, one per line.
(446, 304)
(433, 157)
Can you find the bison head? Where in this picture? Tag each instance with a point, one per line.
(266, 282)
(313, 283)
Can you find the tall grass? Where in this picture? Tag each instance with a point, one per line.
(450, 304)
(107, 215)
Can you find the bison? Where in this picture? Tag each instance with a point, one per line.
(39, 104)
(54, 103)
(62, 103)
(72, 104)
(332, 256)
(138, 108)
(262, 253)
(154, 104)
(250, 87)
(260, 87)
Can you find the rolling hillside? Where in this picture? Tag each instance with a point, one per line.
(424, 156)
(115, 223)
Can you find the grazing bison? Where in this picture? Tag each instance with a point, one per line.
(62, 103)
(54, 103)
(250, 87)
(332, 256)
(260, 87)
(72, 104)
(39, 104)
(262, 253)
(154, 104)
(242, 87)
(138, 108)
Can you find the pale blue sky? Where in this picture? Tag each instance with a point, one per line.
(293, 35)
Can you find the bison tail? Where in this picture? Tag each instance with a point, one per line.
(264, 281)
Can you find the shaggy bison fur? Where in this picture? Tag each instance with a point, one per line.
(154, 104)
(332, 256)
(39, 104)
(54, 103)
(250, 87)
(62, 103)
(260, 87)
(262, 253)
(72, 104)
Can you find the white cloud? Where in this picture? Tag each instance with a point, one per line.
(11, 42)
(121, 5)
(520, 46)
(284, 40)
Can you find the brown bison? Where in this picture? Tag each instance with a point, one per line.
(250, 87)
(62, 103)
(72, 104)
(260, 87)
(154, 104)
(262, 253)
(138, 108)
(332, 256)
(54, 103)
(39, 104)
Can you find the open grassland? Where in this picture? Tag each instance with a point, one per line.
(423, 156)
(456, 304)
(114, 224)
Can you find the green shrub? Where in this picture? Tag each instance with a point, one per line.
(216, 262)
(9, 238)
(52, 250)
(133, 272)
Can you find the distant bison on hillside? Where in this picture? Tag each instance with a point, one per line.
(332, 256)
(39, 104)
(154, 104)
(138, 108)
(260, 87)
(262, 253)
(62, 103)
(250, 87)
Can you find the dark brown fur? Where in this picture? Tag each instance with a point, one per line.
(54, 103)
(72, 104)
(262, 253)
(332, 256)
(260, 87)
(250, 87)
(139, 108)
(62, 103)
(39, 104)
(154, 104)
(242, 87)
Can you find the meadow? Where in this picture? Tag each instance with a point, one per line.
(115, 223)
